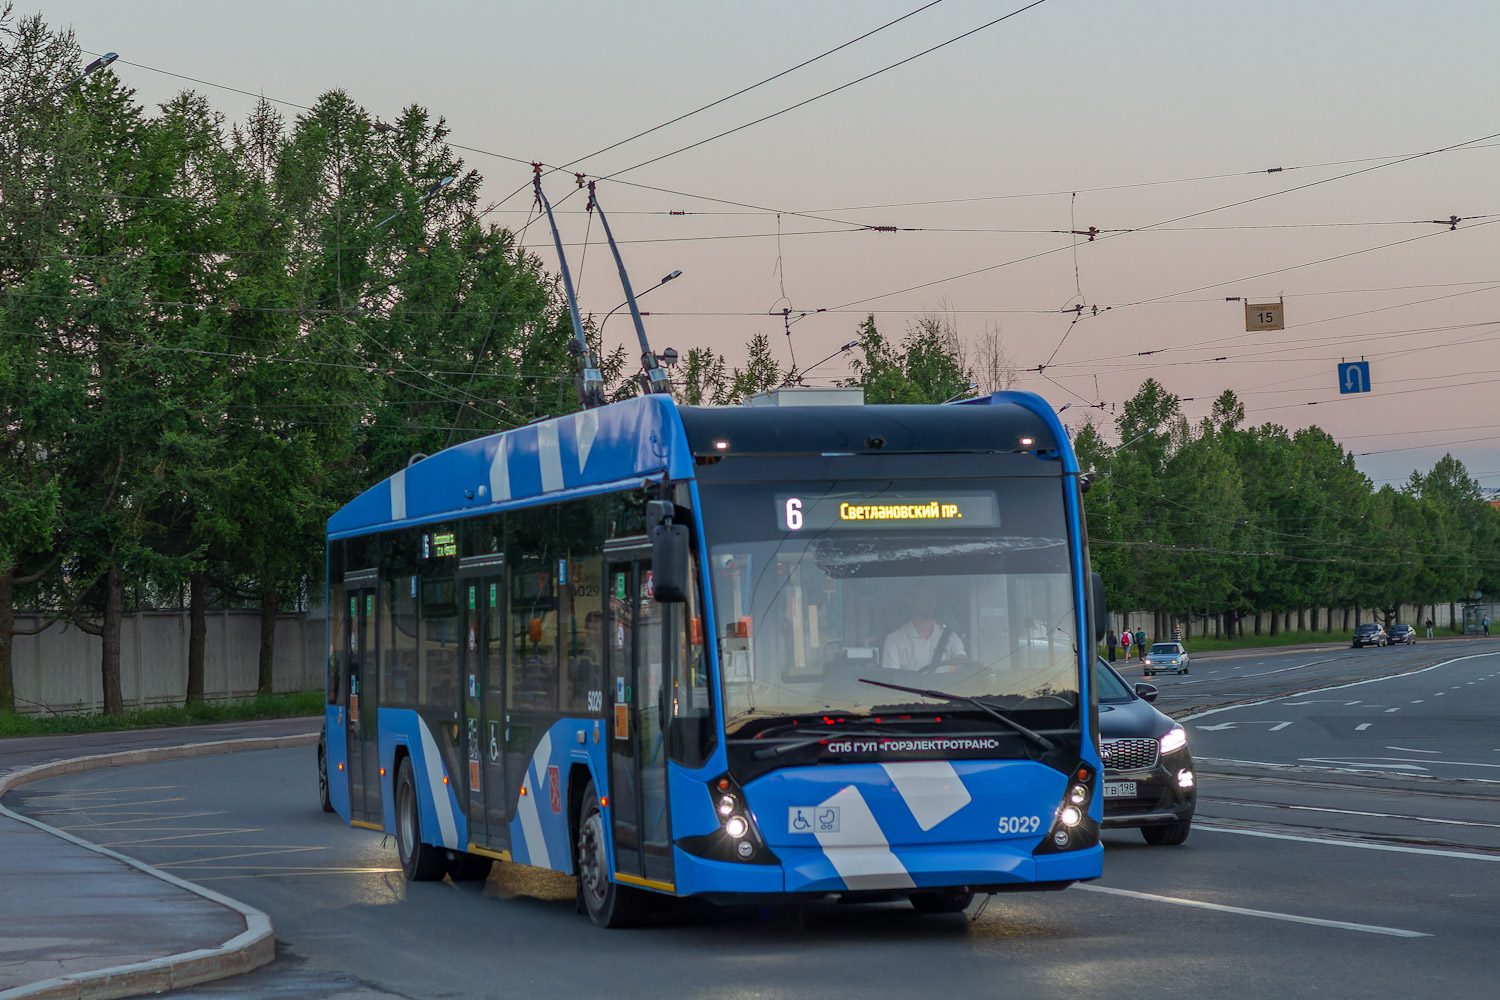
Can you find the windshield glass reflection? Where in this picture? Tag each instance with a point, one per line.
(809, 605)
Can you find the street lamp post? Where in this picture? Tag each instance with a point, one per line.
(847, 347)
(92, 67)
(622, 305)
(1127, 444)
(959, 395)
(434, 189)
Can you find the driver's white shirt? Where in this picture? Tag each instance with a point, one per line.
(905, 649)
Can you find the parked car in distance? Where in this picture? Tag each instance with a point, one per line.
(1149, 782)
(1369, 634)
(1403, 633)
(1165, 656)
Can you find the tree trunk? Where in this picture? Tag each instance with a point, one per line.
(1452, 616)
(7, 641)
(1257, 623)
(1301, 619)
(268, 605)
(1346, 618)
(109, 666)
(1239, 624)
(1275, 622)
(197, 630)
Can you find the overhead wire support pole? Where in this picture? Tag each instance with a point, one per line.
(656, 379)
(590, 382)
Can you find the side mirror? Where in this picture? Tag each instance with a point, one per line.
(1101, 615)
(1146, 691)
(670, 552)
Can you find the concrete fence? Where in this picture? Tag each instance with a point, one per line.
(1443, 617)
(58, 669)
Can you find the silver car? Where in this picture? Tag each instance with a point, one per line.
(1165, 656)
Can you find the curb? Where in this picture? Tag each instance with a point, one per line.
(255, 947)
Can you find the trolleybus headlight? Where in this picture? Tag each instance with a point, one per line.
(1175, 739)
(1060, 838)
(1078, 795)
(736, 827)
(727, 805)
(1070, 816)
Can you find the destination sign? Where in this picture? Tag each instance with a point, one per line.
(439, 544)
(887, 510)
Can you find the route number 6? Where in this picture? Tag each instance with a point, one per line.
(794, 514)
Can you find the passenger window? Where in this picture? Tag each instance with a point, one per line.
(533, 564)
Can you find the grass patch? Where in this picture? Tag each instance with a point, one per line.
(266, 706)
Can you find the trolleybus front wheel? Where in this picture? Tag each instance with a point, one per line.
(420, 862)
(607, 903)
(323, 796)
(942, 900)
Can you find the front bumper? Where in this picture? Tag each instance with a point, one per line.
(1158, 799)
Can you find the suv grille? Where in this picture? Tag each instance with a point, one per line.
(1128, 755)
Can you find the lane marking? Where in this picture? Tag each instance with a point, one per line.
(1413, 750)
(1364, 812)
(1419, 701)
(1335, 687)
(1263, 914)
(1390, 710)
(1345, 769)
(1362, 727)
(1356, 844)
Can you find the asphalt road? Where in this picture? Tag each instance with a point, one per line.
(1314, 869)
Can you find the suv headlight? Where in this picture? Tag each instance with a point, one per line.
(1175, 739)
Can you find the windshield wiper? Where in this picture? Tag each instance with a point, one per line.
(1035, 737)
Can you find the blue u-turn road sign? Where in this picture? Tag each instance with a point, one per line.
(1354, 376)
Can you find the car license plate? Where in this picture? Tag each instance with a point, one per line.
(1119, 789)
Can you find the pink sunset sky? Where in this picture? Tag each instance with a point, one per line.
(1155, 123)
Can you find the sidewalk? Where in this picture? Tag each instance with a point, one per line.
(81, 921)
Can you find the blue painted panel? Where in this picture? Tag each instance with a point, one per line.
(636, 437)
(337, 744)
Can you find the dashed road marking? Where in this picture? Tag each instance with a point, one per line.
(1263, 914)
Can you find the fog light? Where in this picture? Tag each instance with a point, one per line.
(1184, 779)
(1070, 816)
(1078, 795)
(736, 827)
(726, 805)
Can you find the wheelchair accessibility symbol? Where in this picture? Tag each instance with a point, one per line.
(813, 819)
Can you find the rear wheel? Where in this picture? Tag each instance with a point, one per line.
(607, 903)
(942, 900)
(466, 867)
(419, 862)
(323, 795)
(1168, 835)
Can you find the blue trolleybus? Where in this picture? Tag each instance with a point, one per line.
(760, 654)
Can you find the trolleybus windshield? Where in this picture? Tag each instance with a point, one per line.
(963, 587)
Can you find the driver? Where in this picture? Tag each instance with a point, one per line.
(915, 645)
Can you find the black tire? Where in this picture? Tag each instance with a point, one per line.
(942, 900)
(323, 795)
(419, 862)
(607, 903)
(1167, 835)
(466, 867)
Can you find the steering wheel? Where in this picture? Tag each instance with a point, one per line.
(932, 668)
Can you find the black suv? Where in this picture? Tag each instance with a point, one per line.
(1370, 634)
(1149, 779)
(1403, 633)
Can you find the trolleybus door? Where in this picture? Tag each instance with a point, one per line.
(364, 699)
(638, 752)
(483, 589)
